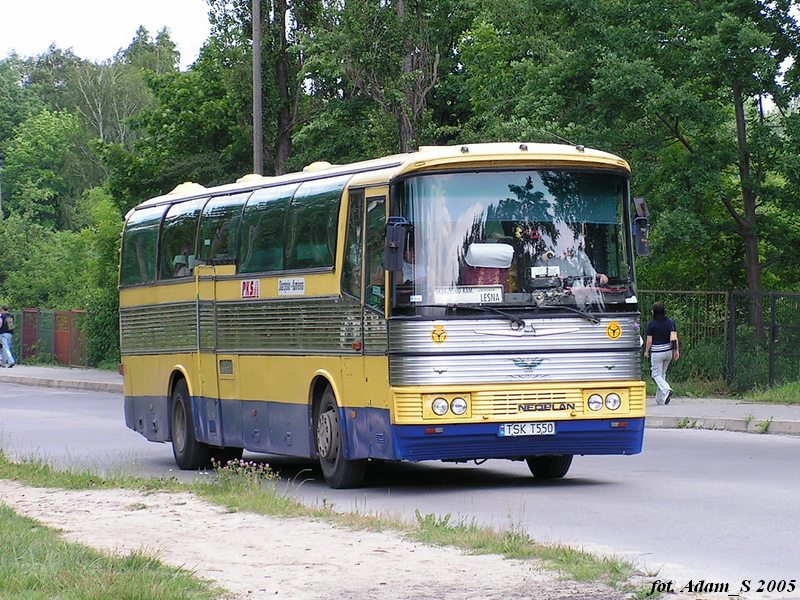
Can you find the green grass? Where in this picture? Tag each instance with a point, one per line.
(250, 487)
(788, 393)
(35, 562)
(516, 544)
(38, 473)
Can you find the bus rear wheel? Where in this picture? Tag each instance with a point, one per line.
(189, 453)
(339, 472)
(549, 467)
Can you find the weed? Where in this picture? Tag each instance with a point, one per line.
(763, 427)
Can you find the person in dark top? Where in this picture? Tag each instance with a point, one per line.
(661, 347)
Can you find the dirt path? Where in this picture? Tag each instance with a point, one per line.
(254, 556)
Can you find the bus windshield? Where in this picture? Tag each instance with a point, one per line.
(522, 237)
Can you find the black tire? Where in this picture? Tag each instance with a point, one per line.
(549, 467)
(339, 472)
(189, 453)
(224, 455)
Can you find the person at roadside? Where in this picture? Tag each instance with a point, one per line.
(661, 348)
(6, 337)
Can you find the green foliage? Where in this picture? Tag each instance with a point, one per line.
(46, 168)
(17, 102)
(194, 133)
(659, 83)
(49, 275)
(788, 393)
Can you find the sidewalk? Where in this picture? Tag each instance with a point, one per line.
(682, 413)
(63, 377)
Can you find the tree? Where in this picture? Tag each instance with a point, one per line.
(391, 52)
(194, 131)
(48, 164)
(283, 58)
(676, 87)
(17, 101)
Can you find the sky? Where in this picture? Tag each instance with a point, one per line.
(97, 29)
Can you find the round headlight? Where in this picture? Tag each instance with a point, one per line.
(613, 401)
(595, 402)
(458, 406)
(439, 406)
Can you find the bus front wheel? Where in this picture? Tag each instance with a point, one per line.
(189, 453)
(549, 467)
(339, 472)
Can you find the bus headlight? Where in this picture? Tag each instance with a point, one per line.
(439, 406)
(458, 406)
(595, 402)
(613, 401)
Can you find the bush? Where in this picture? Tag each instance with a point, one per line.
(102, 328)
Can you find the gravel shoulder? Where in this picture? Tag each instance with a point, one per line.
(255, 556)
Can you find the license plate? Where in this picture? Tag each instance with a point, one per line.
(515, 429)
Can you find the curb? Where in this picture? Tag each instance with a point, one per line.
(754, 425)
(64, 384)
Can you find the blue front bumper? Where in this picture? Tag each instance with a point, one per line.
(477, 441)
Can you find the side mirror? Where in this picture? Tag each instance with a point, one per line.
(396, 231)
(641, 234)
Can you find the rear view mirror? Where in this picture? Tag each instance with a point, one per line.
(396, 231)
(641, 234)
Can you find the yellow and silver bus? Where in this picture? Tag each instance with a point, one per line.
(456, 303)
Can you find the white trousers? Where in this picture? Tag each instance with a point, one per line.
(6, 356)
(659, 362)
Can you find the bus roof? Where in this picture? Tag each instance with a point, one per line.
(425, 158)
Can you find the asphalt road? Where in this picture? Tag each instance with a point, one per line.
(696, 504)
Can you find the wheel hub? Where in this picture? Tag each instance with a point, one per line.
(328, 435)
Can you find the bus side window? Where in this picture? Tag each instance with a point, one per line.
(351, 272)
(376, 232)
(313, 222)
(140, 245)
(264, 228)
(178, 234)
(219, 228)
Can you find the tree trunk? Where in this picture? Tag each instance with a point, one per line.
(285, 124)
(748, 227)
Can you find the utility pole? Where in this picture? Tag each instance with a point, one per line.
(258, 127)
(1, 186)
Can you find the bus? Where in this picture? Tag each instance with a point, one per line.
(457, 303)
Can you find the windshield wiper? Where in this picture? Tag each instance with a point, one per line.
(588, 316)
(515, 322)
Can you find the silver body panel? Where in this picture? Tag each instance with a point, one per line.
(489, 351)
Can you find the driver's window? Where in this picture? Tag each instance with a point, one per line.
(376, 233)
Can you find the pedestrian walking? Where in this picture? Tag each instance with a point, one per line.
(6, 337)
(661, 348)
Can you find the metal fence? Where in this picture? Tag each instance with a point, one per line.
(750, 340)
(50, 336)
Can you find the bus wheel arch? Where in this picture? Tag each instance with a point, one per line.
(330, 442)
(551, 466)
